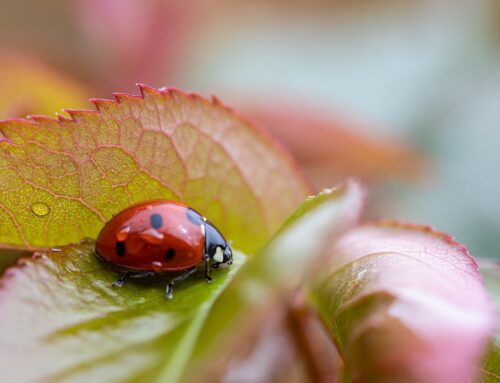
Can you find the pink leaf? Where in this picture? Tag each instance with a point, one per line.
(406, 304)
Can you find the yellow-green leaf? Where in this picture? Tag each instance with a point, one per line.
(60, 180)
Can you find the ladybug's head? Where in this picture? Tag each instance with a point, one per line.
(216, 246)
(228, 255)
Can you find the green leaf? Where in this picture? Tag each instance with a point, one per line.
(59, 312)
(405, 303)
(261, 290)
(490, 371)
(60, 180)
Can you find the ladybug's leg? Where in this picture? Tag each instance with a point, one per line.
(169, 292)
(119, 282)
(215, 265)
(208, 278)
(142, 274)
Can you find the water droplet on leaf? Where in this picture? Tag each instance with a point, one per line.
(40, 209)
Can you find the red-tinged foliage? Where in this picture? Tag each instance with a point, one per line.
(406, 303)
(330, 147)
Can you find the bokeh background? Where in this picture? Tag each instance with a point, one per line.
(403, 94)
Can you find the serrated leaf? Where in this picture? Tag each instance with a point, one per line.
(490, 370)
(60, 180)
(29, 87)
(58, 311)
(405, 304)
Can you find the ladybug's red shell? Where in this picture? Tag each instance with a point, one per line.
(159, 236)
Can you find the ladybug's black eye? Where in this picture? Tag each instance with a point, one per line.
(120, 248)
(156, 221)
(170, 254)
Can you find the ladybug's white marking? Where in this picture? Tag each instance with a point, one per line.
(202, 227)
(151, 236)
(123, 233)
(156, 266)
(218, 256)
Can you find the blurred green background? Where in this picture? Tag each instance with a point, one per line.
(422, 77)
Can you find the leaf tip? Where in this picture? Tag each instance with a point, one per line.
(146, 89)
(352, 183)
(124, 97)
(42, 119)
(168, 90)
(62, 118)
(101, 103)
(216, 100)
(75, 114)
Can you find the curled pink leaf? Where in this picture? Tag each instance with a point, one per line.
(406, 304)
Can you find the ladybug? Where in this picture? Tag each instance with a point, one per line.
(161, 236)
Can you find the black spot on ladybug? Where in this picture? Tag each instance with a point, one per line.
(194, 217)
(156, 221)
(170, 254)
(120, 248)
